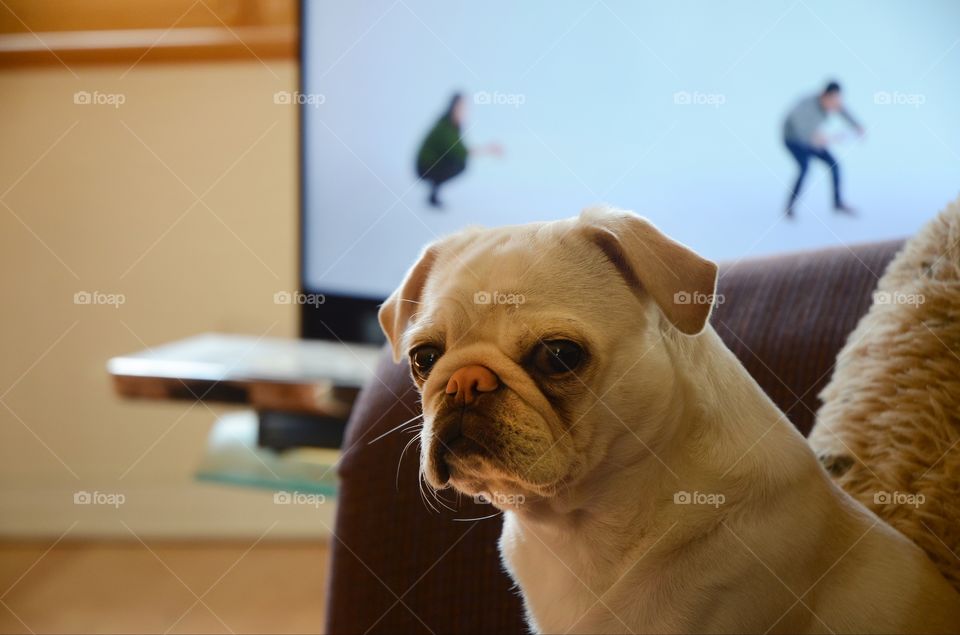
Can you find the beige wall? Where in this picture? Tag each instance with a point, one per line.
(99, 200)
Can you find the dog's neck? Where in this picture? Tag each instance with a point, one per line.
(707, 454)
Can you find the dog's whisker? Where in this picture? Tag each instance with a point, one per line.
(395, 428)
(423, 494)
(436, 496)
(420, 482)
(424, 500)
(400, 461)
(443, 501)
(467, 520)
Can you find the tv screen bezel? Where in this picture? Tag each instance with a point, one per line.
(340, 317)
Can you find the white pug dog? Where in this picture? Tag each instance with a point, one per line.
(568, 373)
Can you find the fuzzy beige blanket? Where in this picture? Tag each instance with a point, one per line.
(889, 427)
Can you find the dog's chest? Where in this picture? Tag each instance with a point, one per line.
(560, 592)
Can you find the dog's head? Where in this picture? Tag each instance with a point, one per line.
(536, 348)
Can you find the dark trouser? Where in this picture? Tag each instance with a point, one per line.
(801, 153)
(439, 173)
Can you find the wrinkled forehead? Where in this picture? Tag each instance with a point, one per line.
(507, 256)
(544, 274)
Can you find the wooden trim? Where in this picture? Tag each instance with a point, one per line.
(148, 45)
(70, 32)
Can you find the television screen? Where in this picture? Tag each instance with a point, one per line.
(420, 118)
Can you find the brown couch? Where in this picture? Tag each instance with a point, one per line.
(400, 567)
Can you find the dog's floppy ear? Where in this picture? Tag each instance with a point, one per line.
(397, 310)
(679, 281)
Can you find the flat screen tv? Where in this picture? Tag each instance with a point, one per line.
(419, 118)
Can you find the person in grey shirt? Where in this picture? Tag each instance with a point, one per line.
(804, 140)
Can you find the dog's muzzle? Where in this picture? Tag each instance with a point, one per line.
(460, 426)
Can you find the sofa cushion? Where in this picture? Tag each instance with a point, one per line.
(787, 316)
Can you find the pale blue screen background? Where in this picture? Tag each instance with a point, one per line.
(600, 121)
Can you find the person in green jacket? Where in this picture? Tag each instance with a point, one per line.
(443, 155)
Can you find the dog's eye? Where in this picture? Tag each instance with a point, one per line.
(423, 358)
(554, 357)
